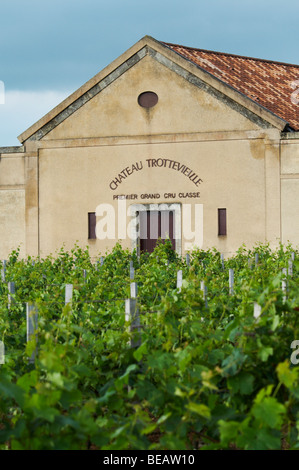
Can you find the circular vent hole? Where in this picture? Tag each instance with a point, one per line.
(148, 99)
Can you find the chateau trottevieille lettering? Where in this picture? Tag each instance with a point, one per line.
(155, 163)
(123, 174)
(174, 165)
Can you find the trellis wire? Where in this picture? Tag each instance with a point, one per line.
(131, 307)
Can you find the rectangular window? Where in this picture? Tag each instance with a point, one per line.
(92, 225)
(221, 222)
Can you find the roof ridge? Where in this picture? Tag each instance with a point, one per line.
(229, 54)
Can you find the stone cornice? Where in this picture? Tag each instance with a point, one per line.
(13, 149)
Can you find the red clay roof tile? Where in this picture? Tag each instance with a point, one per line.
(269, 83)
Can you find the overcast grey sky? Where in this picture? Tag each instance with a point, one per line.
(49, 49)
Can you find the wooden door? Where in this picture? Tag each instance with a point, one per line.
(155, 225)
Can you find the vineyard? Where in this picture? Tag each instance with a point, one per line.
(152, 353)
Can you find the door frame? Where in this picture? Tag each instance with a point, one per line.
(135, 209)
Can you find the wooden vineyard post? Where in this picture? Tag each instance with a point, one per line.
(188, 260)
(132, 271)
(256, 259)
(11, 293)
(68, 293)
(32, 320)
(3, 270)
(133, 290)
(222, 261)
(84, 275)
(290, 267)
(257, 310)
(204, 290)
(231, 282)
(284, 285)
(2, 353)
(132, 317)
(101, 262)
(179, 280)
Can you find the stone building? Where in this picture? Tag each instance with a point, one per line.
(200, 145)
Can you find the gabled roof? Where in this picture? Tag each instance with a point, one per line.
(259, 89)
(268, 83)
